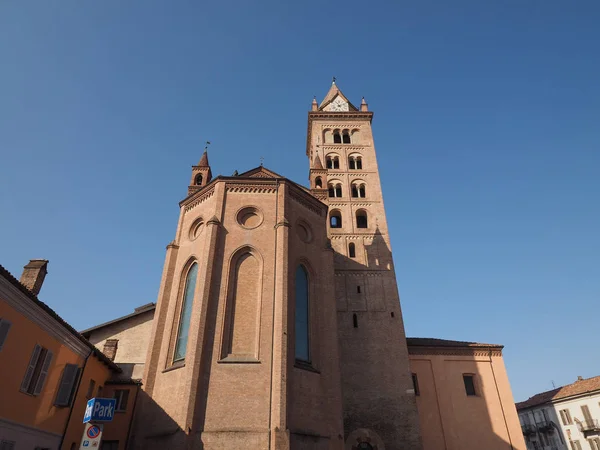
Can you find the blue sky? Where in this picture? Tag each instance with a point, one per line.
(486, 127)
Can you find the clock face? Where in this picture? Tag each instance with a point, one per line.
(338, 105)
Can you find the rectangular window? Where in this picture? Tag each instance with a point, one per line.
(109, 445)
(90, 392)
(586, 414)
(416, 384)
(4, 327)
(37, 371)
(121, 395)
(7, 445)
(565, 416)
(469, 380)
(575, 445)
(66, 387)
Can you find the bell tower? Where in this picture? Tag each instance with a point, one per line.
(378, 397)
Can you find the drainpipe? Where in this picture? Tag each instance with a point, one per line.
(62, 440)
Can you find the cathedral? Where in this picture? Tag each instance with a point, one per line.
(278, 322)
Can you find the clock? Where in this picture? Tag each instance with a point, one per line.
(338, 105)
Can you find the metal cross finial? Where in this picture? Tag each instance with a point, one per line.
(333, 80)
(206, 146)
(262, 159)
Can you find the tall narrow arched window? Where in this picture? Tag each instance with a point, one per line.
(361, 219)
(335, 219)
(302, 328)
(358, 162)
(318, 182)
(186, 312)
(337, 138)
(345, 137)
(198, 181)
(362, 191)
(351, 250)
(354, 190)
(352, 163)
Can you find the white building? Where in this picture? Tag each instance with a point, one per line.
(566, 418)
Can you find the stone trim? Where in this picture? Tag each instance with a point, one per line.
(455, 351)
(194, 201)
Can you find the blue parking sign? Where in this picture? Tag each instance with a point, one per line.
(100, 409)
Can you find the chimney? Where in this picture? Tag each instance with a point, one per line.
(110, 348)
(579, 378)
(34, 274)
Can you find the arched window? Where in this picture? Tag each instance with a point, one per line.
(318, 182)
(354, 162)
(335, 189)
(333, 162)
(335, 219)
(302, 328)
(358, 190)
(198, 180)
(351, 250)
(337, 138)
(361, 219)
(345, 137)
(186, 313)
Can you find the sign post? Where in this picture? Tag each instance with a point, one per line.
(96, 410)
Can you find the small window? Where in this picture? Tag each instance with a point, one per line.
(415, 381)
(198, 181)
(37, 371)
(351, 250)
(66, 387)
(358, 289)
(335, 190)
(358, 163)
(122, 396)
(333, 162)
(337, 139)
(4, 327)
(335, 219)
(91, 387)
(565, 416)
(318, 183)
(355, 320)
(352, 163)
(361, 219)
(109, 445)
(469, 381)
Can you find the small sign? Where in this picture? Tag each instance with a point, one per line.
(100, 410)
(92, 436)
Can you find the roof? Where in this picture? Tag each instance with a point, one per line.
(334, 91)
(318, 165)
(136, 312)
(434, 342)
(580, 387)
(204, 160)
(16, 283)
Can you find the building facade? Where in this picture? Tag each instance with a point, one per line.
(565, 418)
(48, 372)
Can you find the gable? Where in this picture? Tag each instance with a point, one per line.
(260, 172)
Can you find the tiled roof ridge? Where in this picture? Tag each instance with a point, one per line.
(569, 390)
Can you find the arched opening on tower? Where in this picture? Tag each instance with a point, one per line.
(361, 219)
(335, 219)
(198, 180)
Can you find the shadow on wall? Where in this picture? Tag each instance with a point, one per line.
(465, 403)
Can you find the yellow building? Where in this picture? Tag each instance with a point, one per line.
(48, 372)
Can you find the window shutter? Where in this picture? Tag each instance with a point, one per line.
(43, 374)
(29, 372)
(4, 327)
(67, 383)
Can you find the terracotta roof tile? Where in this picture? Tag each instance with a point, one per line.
(570, 390)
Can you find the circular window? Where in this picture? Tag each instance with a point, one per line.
(249, 217)
(304, 232)
(196, 228)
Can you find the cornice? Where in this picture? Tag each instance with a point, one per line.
(366, 236)
(345, 115)
(455, 351)
(24, 305)
(197, 198)
(361, 273)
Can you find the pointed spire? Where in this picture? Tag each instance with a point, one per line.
(315, 105)
(317, 165)
(204, 160)
(334, 91)
(363, 105)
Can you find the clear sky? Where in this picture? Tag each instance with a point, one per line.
(486, 127)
